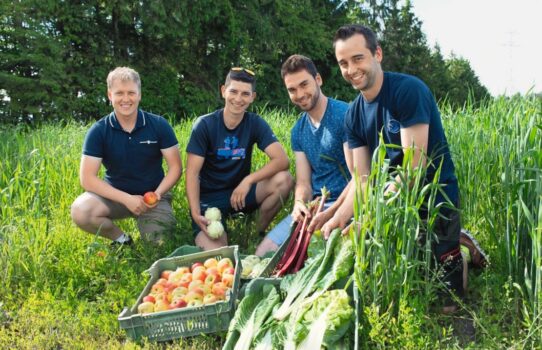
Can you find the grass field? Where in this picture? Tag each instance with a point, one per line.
(63, 289)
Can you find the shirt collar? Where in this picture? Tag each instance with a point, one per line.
(114, 123)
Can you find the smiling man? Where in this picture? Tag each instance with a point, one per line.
(219, 160)
(131, 145)
(403, 110)
(319, 154)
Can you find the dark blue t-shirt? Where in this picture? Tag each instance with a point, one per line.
(403, 101)
(323, 147)
(227, 153)
(133, 161)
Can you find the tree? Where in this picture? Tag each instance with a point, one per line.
(55, 56)
(464, 82)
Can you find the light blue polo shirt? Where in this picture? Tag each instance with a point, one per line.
(133, 161)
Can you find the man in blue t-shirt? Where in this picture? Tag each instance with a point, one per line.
(319, 152)
(219, 158)
(403, 109)
(131, 144)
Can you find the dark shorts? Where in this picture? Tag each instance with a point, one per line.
(221, 200)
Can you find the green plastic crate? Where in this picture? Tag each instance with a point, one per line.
(185, 250)
(177, 323)
(267, 272)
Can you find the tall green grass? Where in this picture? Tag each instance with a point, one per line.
(63, 288)
(498, 154)
(497, 149)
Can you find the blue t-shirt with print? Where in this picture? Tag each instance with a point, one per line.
(403, 101)
(133, 160)
(227, 152)
(323, 147)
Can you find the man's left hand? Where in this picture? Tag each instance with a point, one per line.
(237, 199)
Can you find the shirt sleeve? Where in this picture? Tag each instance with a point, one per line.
(294, 138)
(413, 103)
(264, 134)
(353, 128)
(341, 109)
(167, 135)
(198, 138)
(93, 145)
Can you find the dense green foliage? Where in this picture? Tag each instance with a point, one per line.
(62, 288)
(55, 55)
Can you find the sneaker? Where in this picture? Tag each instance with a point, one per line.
(477, 256)
(128, 242)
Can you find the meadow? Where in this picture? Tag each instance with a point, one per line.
(63, 289)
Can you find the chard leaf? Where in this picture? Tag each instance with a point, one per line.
(343, 261)
(305, 280)
(334, 309)
(251, 314)
(266, 343)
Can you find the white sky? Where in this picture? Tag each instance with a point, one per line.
(501, 39)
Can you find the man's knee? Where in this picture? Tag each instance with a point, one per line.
(267, 245)
(283, 181)
(204, 242)
(80, 212)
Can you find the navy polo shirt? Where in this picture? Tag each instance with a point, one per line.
(133, 161)
(403, 101)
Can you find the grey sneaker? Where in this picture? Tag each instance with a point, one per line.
(128, 242)
(477, 255)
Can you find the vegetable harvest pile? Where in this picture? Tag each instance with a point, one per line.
(305, 312)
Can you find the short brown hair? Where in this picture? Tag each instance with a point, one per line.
(297, 63)
(348, 31)
(241, 75)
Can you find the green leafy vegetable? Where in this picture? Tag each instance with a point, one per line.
(252, 312)
(304, 282)
(326, 321)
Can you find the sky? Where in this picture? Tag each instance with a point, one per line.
(502, 40)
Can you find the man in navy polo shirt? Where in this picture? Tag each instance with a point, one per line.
(131, 144)
(219, 159)
(402, 108)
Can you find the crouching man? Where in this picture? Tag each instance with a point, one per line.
(131, 145)
(219, 159)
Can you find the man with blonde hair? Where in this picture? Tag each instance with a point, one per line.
(131, 144)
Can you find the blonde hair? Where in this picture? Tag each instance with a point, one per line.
(123, 74)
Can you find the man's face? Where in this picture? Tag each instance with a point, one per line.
(358, 65)
(238, 96)
(125, 97)
(303, 89)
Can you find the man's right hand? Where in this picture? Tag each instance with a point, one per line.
(329, 226)
(300, 211)
(136, 205)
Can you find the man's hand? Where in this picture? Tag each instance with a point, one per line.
(329, 226)
(136, 205)
(238, 196)
(201, 221)
(319, 220)
(300, 211)
(158, 198)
